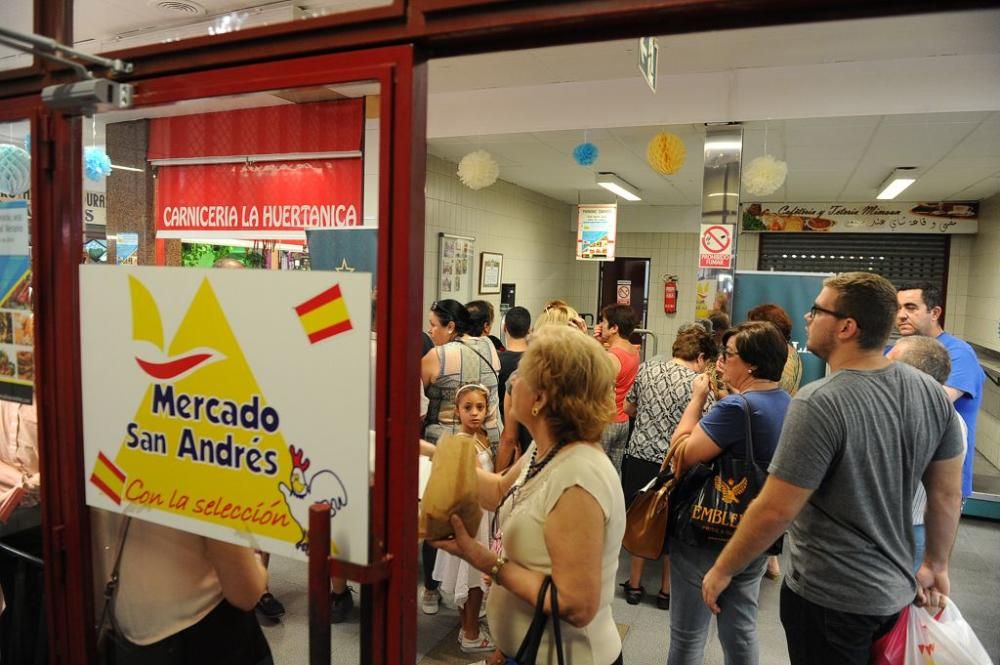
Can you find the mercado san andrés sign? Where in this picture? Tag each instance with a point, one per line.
(878, 217)
(199, 417)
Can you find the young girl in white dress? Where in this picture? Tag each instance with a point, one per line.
(457, 577)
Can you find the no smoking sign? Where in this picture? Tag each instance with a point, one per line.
(716, 246)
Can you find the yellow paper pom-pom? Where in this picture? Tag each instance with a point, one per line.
(666, 153)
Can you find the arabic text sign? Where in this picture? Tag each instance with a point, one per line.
(716, 246)
(878, 217)
(226, 402)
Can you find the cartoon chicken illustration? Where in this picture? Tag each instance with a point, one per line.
(322, 487)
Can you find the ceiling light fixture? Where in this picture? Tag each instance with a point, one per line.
(127, 168)
(900, 178)
(613, 183)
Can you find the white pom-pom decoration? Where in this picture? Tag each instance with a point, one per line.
(478, 169)
(764, 175)
(15, 170)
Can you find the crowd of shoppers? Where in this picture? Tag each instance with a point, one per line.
(599, 426)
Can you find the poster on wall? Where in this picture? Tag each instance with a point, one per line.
(596, 226)
(880, 217)
(199, 417)
(455, 259)
(795, 292)
(17, 355)
(344, 250)
(127, 249)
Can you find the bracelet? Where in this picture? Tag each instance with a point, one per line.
(495, 570)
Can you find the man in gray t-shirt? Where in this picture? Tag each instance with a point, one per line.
(853, 449)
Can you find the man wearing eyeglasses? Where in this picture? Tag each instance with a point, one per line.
(920, 310)
(853, 449)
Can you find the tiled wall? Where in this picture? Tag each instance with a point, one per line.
(531, 231)
(982, 318)
(982, 305)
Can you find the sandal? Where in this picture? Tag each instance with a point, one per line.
(663, 600)
(633, 595)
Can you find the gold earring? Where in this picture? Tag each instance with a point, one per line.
(534, 410)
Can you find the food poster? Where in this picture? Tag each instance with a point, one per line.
(227, 402)
(455, 258)
(596, 227)
(17, 355)
(879, 217)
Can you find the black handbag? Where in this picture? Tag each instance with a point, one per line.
(711, 499)
(527, 653)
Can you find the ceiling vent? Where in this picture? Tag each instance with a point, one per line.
(178, 7)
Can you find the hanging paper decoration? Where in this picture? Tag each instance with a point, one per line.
(666, 153)
(585, 154)
(15, 170)
(96, 164)
(764, 175)
(478, 169)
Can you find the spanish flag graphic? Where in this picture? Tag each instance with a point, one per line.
(108, 478)
(324, 315)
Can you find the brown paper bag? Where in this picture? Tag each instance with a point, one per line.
(451, 489)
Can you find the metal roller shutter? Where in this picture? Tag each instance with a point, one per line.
(900, 258)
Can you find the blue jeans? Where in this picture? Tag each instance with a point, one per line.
(690, 617)
(919, 543)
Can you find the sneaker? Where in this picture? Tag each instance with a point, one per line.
(480, 644)
(270, 607)
(633, 595)
(341, 605)
(430, 603)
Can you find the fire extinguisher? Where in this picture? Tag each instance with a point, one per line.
(670, 294)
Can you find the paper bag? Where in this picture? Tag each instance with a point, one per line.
(452, 489)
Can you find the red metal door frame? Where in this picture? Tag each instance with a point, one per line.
(402, 159)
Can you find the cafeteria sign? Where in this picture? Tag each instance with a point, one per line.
(878, 217)
(225, 403)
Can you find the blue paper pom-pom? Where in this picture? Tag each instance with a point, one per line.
(96, 164)
(585, 154)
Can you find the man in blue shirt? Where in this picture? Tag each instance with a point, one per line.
(920, 310)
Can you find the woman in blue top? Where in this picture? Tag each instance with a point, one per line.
(752, 359)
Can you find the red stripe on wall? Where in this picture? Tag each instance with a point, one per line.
(333, 126)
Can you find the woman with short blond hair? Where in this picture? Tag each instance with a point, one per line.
(561, 508)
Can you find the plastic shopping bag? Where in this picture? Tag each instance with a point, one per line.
(920, 638)
(943, 639)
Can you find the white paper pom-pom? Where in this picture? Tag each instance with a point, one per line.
(478, 169)
(764, 175)
(15, 170)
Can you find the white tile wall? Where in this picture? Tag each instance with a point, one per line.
(982, 303)
(529, 229)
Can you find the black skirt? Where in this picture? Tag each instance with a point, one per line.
(636, 474)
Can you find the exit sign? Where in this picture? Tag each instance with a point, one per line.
(648, 50)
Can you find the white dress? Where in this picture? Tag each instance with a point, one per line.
(456, 575)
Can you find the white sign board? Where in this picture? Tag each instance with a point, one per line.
(715, 246)
(648, 55)
(596, 227)
(624, 292)
(226, 402)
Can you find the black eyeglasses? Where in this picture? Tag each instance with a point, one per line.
(726, 353)
(816, 309)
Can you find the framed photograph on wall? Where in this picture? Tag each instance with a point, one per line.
(490, 272)
(455, 259)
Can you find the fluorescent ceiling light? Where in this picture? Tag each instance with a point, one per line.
(613, 183)
(898, 180)
(722, 144)
(127, 168)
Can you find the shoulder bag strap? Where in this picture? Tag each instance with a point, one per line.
(108, 613)
(556, 632)
(749, 436)
(489, 363)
